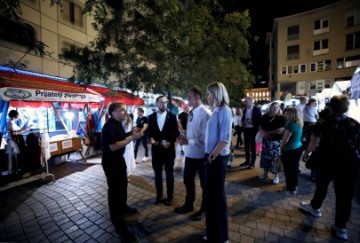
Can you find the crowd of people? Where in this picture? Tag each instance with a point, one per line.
(205, 136)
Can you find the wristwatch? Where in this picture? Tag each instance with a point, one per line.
(212, 157)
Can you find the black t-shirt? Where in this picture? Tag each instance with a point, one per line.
(338, 133)
(269, 123)
(140, 121)
(112, 132)
(183, 116)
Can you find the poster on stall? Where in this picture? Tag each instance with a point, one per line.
(10, 93)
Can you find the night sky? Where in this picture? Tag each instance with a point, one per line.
(262, 14)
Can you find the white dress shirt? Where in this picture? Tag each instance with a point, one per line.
(248, 115)
(161, 117)
(195, 132)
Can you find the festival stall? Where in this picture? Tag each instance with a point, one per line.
(47, 105)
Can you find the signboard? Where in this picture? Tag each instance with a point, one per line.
(66, 144)
(53, 147)
(9, 93)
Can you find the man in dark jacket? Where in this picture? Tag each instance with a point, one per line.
(251, 121)
(163, 131)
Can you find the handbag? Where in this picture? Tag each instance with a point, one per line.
(313, 161)
(278, 164)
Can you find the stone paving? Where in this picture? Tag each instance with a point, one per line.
(74, 209)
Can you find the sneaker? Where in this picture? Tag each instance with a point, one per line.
(340, 233)
(306, 206)
(263, 176)
(145, 159)
(276, 180)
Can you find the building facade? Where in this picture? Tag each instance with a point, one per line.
(58, 27)
(259, 94)
(309, 51)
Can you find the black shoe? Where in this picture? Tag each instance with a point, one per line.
(229, 166)
(128, 210)
(158, 201)
(244, 164)
(184, 209)
(199, 215)
(168, 201)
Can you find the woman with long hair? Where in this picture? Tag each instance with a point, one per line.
(129, 155)
(291, 148)
(217, 146)
(271, 126)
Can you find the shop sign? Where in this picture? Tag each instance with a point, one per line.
(9, 93)
(53, 147)
(66, 144)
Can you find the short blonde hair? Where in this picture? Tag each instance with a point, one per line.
(220, 94)
(295, 116)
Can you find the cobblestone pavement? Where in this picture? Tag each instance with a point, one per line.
(74, 209)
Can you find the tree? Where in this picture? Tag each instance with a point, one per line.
(166, 45)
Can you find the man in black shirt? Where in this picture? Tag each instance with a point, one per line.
(114, 140)
(182, 118)
(142, 123)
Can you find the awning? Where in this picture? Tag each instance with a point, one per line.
(28, 89)
(33, 91)
(115, 95)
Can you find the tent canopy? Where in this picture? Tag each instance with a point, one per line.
(115, 95)
(36, 90)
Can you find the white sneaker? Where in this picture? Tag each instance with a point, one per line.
(306, 206)
(340, 233)
(263, 176)
(145, 159)
(276, 180)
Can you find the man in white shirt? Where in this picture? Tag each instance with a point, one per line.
(194, 152)
(163, 132)
(301, 105)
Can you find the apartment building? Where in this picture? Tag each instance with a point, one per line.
(259, 94)
(58, 27)
(309, 51)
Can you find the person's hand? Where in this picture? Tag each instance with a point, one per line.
(153, 142)
(166, 145)
(137, 135)
(305, 157)
(135, 130)
(182, 140)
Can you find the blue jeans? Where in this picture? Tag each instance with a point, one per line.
(142, 140)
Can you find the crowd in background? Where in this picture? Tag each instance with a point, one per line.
(204, 134)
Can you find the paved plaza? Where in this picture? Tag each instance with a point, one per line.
(74, 209)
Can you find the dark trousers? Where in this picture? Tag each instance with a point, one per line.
(250, 145)
(344, 186)
(239, 139)
(192, 167)
(290, 161)
(158, 163)
(144, 141)
(216, 208)
(117, 180)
